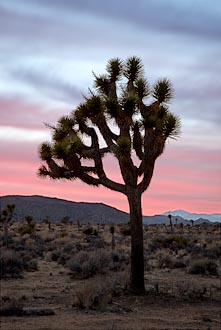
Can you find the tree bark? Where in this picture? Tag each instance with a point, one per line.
(137, 254)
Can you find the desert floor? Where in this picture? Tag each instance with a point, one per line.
(175, 298)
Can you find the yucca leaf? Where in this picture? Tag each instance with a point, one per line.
(45, 151)
(112, 106)
(162, 90)
(94, 106)
(133, 68)
(102, 83)
(142, 88)
(172, 126)
(114, 68)
(43, 171)
(123, 148)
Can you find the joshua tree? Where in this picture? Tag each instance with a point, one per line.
(171, 223)
(132, 132)
(6, 219)
(112, 231)
(29, 219)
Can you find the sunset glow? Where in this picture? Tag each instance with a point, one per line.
(48, 52)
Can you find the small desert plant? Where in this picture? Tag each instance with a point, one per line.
(125, 230)
(93, 295)
(191, 292)
(11, 265)
(213, 253)
(11, 306)
(30, 265)
(96, 294)
(66, 220)
(204, 266)
(167, 260)
(171, 223)
(100, 261)
(173, 242)
(90, 231)
(112, 231)
(28, 228)
(29, 219)
(88, 264)
(6, 216)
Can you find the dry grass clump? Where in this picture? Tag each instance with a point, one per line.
(97, 293)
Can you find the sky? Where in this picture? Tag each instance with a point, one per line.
(48, 50)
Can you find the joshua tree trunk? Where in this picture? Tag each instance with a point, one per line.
(137, 256)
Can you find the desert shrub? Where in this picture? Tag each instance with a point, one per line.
(97, 294)
(88, 264)
(96, 242)
(14, 263)
(88, 231)
(213, 253)
(27, 229)
(204, 266)
(11, 264)
(11, 306)
(63, 258)
(62, 254)
(119, 256)
(68, 248)
(30, 265)
(93, 295)
(190, 291)
(167, 260)
(125, 230)
(6, 241)
(173, 242)
(32, 247)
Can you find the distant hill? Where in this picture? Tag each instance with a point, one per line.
(194, 216)
(54, 209)
(163, 219)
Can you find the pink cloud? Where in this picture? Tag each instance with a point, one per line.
(24, 114)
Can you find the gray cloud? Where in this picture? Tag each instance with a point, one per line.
(189, 18)
(48, 85)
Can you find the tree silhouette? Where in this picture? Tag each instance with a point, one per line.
(114, 119)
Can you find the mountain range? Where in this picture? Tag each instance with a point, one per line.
(53, 209)
(194, 216)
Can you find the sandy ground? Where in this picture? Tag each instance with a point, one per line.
(52, 287)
